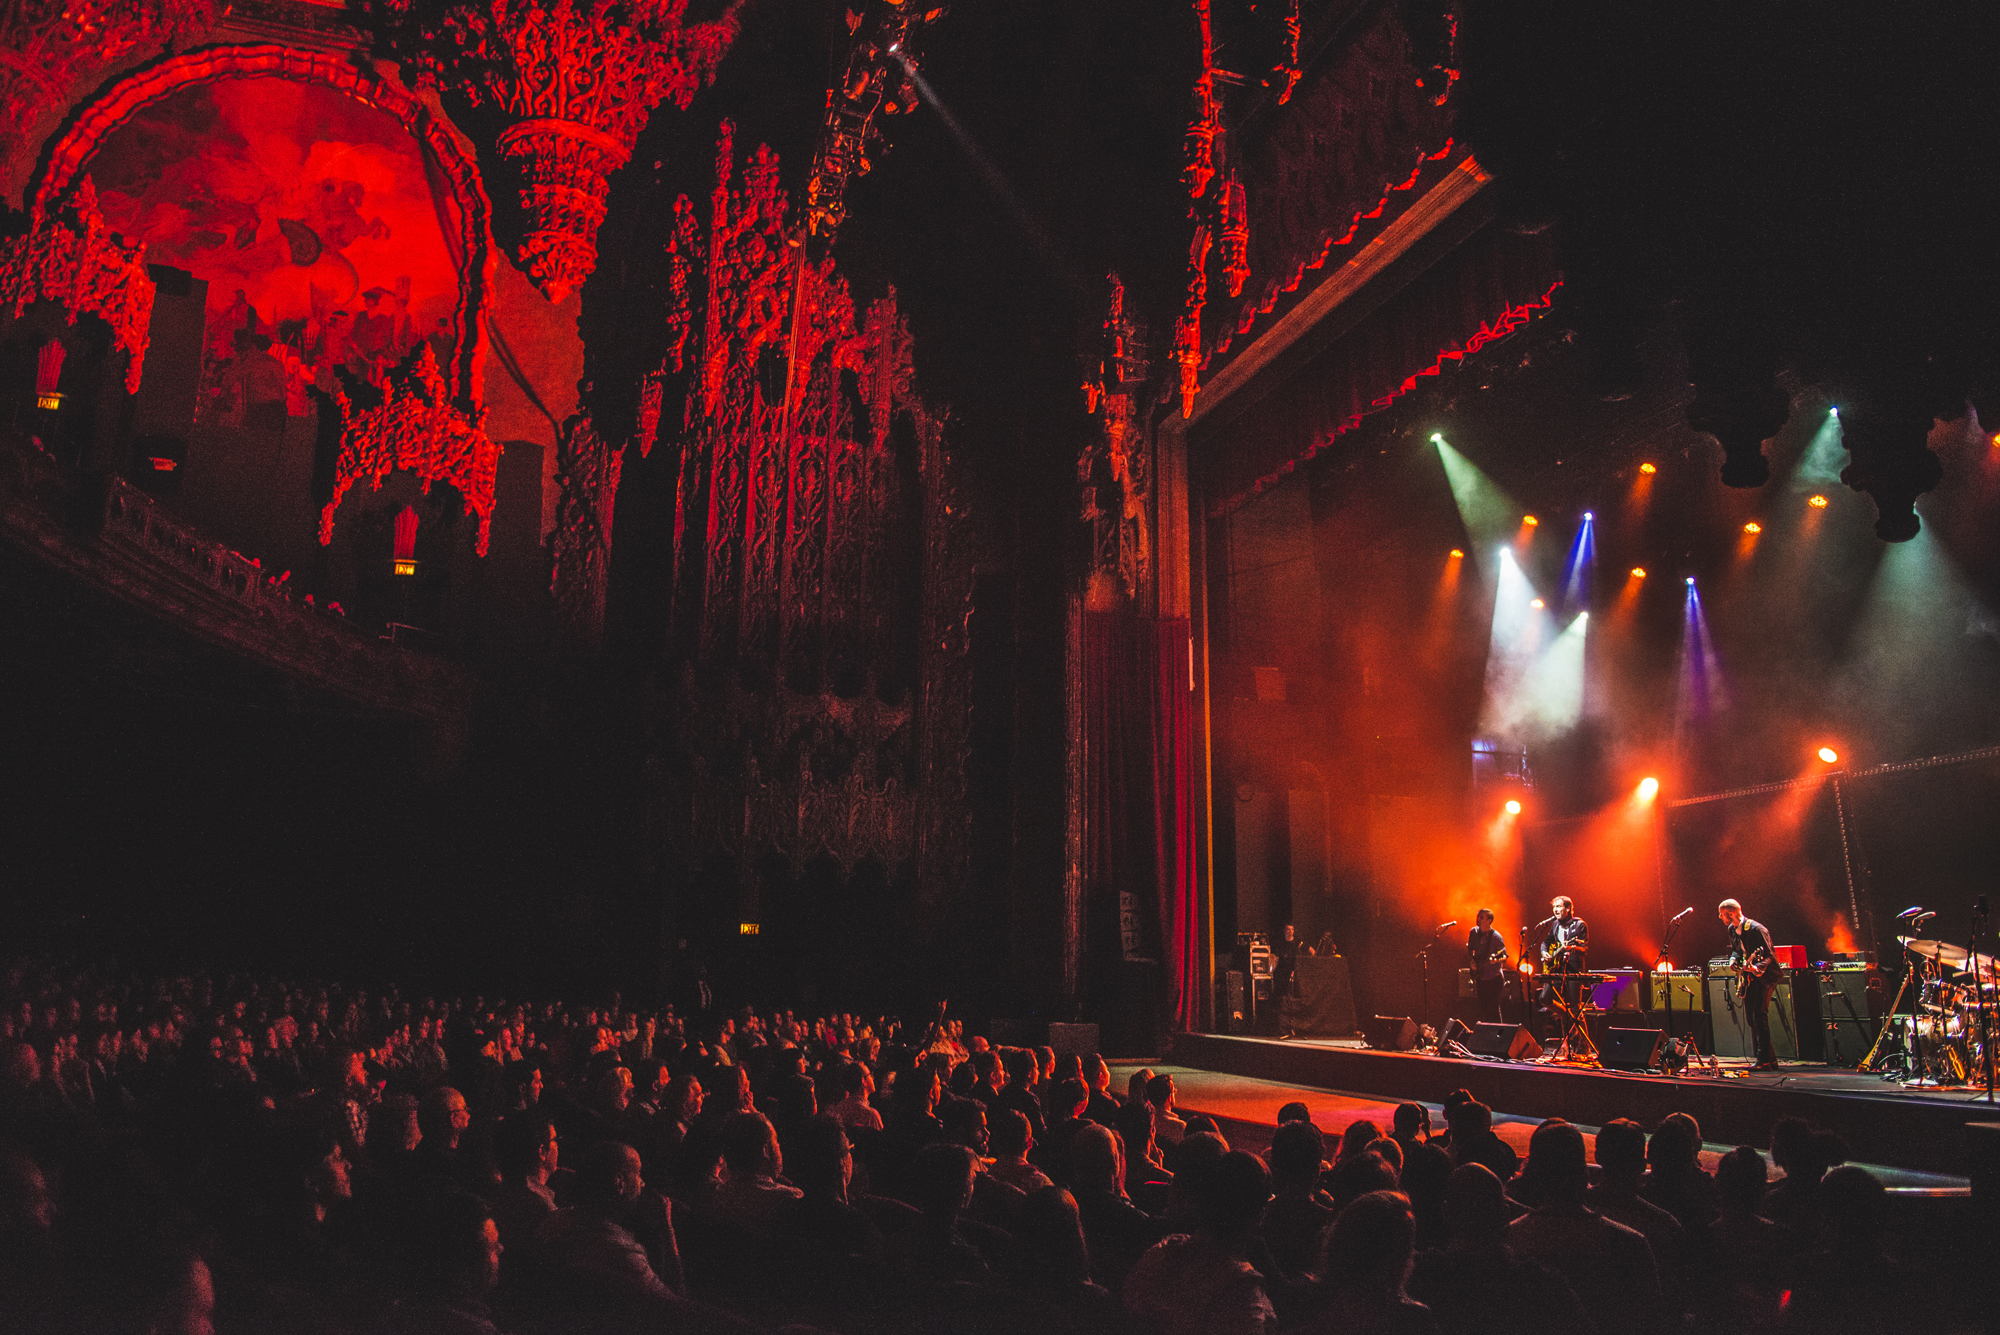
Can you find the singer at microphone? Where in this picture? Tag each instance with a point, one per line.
(1487, 951)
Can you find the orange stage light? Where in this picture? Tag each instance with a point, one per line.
(1664, 966)
(1753, 527)
(1513, 807)
(1527, 966)
(1530, 520)
(1638, 572)
(1456, 554)
(1536, 603)
(1817, 502)
(1828, 754)
(1648, 469)
(1649, 787)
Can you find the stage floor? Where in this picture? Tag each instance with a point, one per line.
(1913, 1136)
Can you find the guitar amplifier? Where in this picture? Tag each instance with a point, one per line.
(1794, 1015)
(1854, 997)
(1689, 994)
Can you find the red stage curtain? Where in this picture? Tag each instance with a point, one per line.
(1139, 799)
(1489, 287)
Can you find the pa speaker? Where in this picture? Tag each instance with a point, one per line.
(1633, 1049)
(1511, 1041)
(1392, 1033)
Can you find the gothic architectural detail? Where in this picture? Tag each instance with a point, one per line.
(880, 78)
(71, 258)
(1235, 229)
(576, 80)
(820, 584)
(587, 471)
(1199, 147)
(48, 50)
(1114, 469)
(416, 428)
(471, 248)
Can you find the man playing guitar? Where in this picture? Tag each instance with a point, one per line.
(1487, 950)
(1750, 951)
(1563, 947)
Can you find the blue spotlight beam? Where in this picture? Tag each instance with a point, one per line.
(1581, 564)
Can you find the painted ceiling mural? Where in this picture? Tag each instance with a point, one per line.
(310, 216)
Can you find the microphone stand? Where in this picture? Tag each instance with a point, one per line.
(1979, 985)
(1665, 957)
(1424, 963)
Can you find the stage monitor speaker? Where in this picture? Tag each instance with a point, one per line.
(1632, 1049)
(1237, 1014)
(1511, 1041)
(1324, 1006)
(1392, 1033)
(1080, 1039)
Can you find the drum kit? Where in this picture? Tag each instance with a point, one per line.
(1941, 1042)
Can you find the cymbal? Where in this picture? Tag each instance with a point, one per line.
(1942, 951)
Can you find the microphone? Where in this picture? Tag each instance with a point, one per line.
(1543, 923)
(1682, 914)
(1452, 923)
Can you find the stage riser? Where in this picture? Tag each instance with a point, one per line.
(1917, 1134)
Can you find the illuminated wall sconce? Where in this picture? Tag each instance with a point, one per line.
(405, 560)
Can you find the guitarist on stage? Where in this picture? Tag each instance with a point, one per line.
(1487, 950)
(1750, 951)
(1564, 945)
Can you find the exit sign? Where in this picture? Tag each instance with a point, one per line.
(746, 929)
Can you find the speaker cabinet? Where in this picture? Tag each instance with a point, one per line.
(1632, 1049)
(1392, 1033)
(1237, 1010)
(1733, 1037)
(1853, 998)
(1511, 1041)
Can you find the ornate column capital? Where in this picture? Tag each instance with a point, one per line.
(576, 80)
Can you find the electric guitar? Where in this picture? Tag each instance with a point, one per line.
(1755, 963)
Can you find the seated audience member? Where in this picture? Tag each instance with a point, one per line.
(935, 1251)
(854, 1083)
(1011, 1141)
(1146, 1179)
(1068, 1102)
(1357, 1176)
(1851, 1283)
(527, 1152)
(1020, 1093)
(1460, 1282)
(1294, 1112)
(1298, 1213)
(989, 1077)
(1391, 1151)
(1759, 1253)
(1135, 1085)
(1609, 1266)
(1368, 1255)
(1168, 1127)
(1103, 1109)
(993, 1201)
(822, 1166)
(1052, 1268)
(1426, 1167)
(1442, 1139)
(591, 1258)
(1805, 1155)
(457, 1272)
(1473, 1140)
(1118, 1231)
(1202, 1284)
(1675, 1180)
(754, 1194)
(1621, 1153)
(1360, 1133)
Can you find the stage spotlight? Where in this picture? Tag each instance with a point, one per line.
(1527, 966)
(1513, 807)
(1583, 616)
(1833, 412)
(1690, 581)
(1828, 754)
(1648, 469)
(1996, 440)
(1817, 502)
(1588, 516)
(1536, 603)
(1436, 439)
(1753, 527)
(1649, 787)
(1664, 966)
(1530, 520)
(1638, 572)
(1456, 554)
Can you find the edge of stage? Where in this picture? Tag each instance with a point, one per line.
(1921, 1130)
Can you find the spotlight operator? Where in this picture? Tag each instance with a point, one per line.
(1750, 951)
(1487, 950)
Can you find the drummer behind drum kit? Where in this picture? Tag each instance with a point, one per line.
(1948, 1037)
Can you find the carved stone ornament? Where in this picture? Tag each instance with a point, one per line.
(416, 428)
(576, 80)
(48, 48)
(73, 259)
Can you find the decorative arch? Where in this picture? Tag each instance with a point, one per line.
(472, 248)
